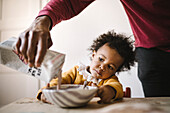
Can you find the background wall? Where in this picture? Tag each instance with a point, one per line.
(71, 37)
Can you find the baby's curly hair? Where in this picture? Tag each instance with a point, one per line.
(121, 43)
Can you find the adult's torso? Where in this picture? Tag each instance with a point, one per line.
(150, 22)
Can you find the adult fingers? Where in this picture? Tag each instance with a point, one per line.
(17, 46)
(41, 50)
(32, 48)
(24, 46)
(50, 43)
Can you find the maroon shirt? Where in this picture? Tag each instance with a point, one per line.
(149, 19)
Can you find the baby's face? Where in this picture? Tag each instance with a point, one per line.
(105, 62)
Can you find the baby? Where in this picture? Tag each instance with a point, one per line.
(111, 53)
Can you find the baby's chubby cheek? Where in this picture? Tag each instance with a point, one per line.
(94, 74)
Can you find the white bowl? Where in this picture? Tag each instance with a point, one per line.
(70, 95)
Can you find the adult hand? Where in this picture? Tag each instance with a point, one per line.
(106, 93)
(33, 43)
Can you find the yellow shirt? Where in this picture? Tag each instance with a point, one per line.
(72, 76)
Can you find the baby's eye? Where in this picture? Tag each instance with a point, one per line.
(110, 67)
(101, 59)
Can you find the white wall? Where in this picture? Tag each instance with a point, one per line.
(15, 17)
(74, 36)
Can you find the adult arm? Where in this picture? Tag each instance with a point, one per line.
(33, 43)
(59, 10)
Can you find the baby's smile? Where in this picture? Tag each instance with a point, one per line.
(98, 73)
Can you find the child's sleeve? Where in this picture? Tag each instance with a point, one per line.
(114, 83)
(39, 93)
(68, 77)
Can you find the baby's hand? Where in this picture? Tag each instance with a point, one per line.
(43, 98)
(106, 93)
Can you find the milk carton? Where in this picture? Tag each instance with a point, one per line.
(51, 66)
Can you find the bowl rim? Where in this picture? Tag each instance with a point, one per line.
(80, 88)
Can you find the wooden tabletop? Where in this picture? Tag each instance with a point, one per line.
(126, 105)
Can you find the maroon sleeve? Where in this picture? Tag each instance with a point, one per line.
(59, 10)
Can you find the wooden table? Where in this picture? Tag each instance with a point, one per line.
(126, 105)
